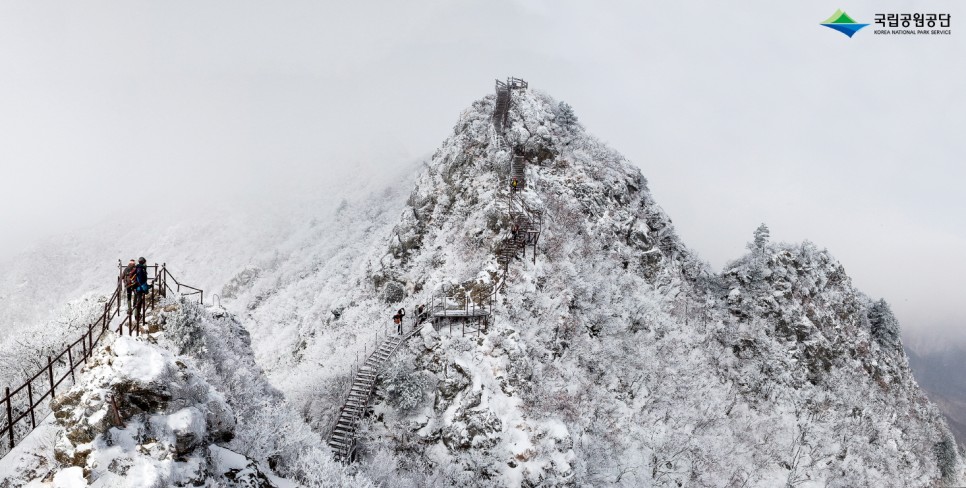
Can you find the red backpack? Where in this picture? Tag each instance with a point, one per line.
(130, 280)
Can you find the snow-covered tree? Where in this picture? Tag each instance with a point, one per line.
(885, 327)
(761, 239)
(565, 115)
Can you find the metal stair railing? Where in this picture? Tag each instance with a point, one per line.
(441, 302)
(23, 402)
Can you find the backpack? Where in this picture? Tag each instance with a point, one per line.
(130, 277)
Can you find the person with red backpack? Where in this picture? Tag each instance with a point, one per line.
(127, 278)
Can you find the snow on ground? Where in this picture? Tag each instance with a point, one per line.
(617, 358)
(185, 406)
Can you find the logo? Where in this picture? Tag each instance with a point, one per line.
(917, 24)
(841, 22)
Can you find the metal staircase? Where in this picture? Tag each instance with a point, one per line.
(518, 168)
(502, 108)
(342, 438)
(525, 224)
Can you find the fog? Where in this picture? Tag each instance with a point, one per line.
(737, 114)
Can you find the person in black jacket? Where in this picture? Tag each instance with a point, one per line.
(398, 319)
(141, 286)
(420, 314)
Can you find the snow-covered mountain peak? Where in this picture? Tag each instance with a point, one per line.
(613, 356)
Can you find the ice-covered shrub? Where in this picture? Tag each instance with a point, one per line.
(945, 451)
(405, 387)
(393, 292)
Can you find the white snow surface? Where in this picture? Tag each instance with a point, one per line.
(618, 358)
(186, 406)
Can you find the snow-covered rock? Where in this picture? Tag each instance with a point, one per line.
(184, 406)
(617, 357)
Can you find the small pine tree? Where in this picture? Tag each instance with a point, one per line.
(757, 247)
(884, 326)
(565, 115)
(761, 237)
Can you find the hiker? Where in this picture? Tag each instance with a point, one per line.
(420, 314)
(402, 314)
(141, 286)
(515, 230)
(397, 319)
(127, 278)
(513, 184)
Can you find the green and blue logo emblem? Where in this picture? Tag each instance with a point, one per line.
(841, 22)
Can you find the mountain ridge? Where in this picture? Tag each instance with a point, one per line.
(616, 357)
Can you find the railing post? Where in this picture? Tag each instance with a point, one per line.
(50, 374)
(9, 419)
(154, 287)
(70, 358)
(30, 398)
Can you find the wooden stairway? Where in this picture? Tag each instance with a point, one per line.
(342, 438)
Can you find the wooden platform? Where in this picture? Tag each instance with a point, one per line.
(462, 313)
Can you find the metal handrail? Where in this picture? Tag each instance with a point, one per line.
(87, 341)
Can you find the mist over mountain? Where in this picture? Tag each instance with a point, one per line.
(615, 356)
(939, 369)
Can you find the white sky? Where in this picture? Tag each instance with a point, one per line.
(737, 112)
